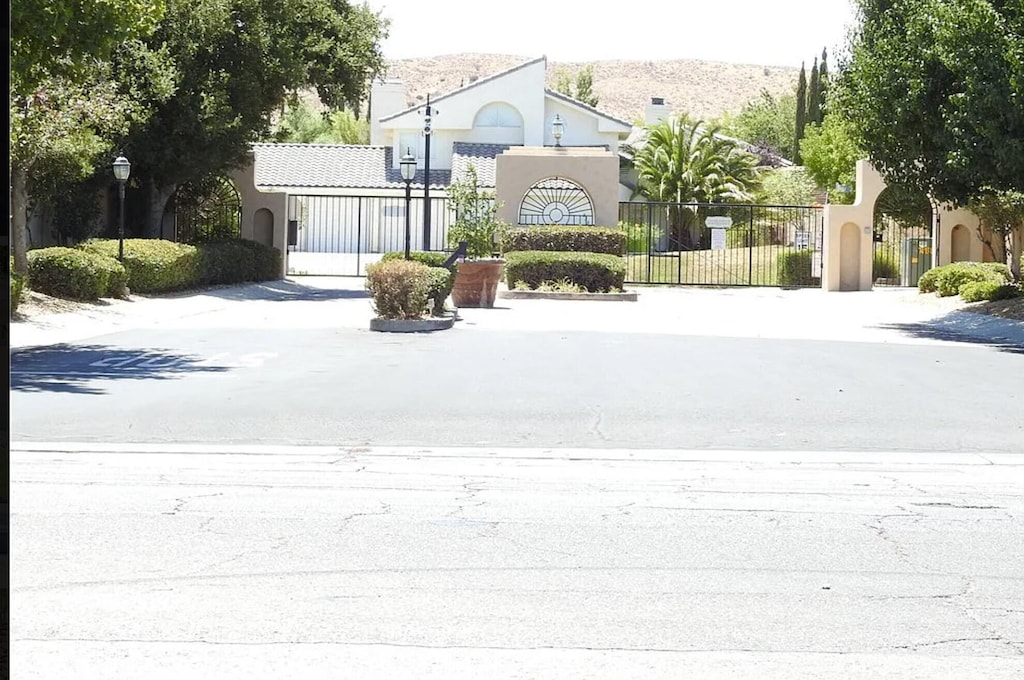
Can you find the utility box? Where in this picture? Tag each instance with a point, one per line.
(915, 260)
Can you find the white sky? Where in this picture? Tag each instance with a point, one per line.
(763, 32)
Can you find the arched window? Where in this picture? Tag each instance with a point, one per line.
(498, 115)
(556, 201)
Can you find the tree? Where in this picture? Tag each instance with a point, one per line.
(934, 88)
(766, 122)
(235, 62)
(801, 113)
(684, 161)
(814, 96)
(303, 125)
(786, 186)
(1001, 213)
(580, 88)
(830, 153)
(823, 86)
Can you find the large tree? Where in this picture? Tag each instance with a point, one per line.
(801, 113)
(234, 63)
(935, 91)
(830, 152)
(768, 123)
(685, 161)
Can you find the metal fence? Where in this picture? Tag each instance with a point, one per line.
(340, 235)
(719, 244)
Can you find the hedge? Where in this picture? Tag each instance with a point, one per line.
(562, 238)
(75, 274)
(267, 261)
(399, 288)
(950, 278)
(976, 291)
(154, 265)
(17, 287)
(442, 279)
(795, 267)
(594, 272)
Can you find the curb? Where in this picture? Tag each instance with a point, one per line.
(411, 325)
(555, 295)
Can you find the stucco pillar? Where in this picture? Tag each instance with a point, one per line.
(596, 171)
(254, 200)
(848, 245)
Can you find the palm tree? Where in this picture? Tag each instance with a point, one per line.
(686, 162)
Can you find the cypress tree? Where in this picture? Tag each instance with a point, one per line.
(823, 83)
(813, 97)
(801, 113)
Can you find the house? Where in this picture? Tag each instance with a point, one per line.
(345, 204)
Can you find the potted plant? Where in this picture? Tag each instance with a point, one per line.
(476, 223)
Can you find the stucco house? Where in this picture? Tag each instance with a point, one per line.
(319, 200)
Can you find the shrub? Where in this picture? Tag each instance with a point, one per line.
(154, 265)
(642, 238)
(952, 277)
(117, 276)
(441, 285)
(976, 291)
(594, 272)
(884, 265)
(266, 260)
(399, 288)
(795, 267)
(430, 258)
(74, 274)
(561, 238)
(929, 281)
(17, 287)
(226, 262)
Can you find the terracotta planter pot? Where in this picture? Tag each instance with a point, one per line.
(476, 282)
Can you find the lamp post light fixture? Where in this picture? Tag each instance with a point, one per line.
(122, 169)
(557, 129)
(428, 130)
(408, 166)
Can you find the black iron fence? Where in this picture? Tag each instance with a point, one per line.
(723, 244)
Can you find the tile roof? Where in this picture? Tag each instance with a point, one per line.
(482, 156)
(475, 83)
(335, 166)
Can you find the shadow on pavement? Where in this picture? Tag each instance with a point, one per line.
(74, 368)
(1001, 335)
(286, 291)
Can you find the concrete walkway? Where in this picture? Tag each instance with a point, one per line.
(881, 316)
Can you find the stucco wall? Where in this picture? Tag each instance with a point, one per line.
(253, 201)
(595, 170)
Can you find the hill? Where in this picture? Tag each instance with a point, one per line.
(703, 89)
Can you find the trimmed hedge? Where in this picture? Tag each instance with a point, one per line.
(952, 277)
(562, 238)
(267, 263)
(17, 287)
(399, 288)
(154, 265)
(441, 284)
(226, 262)
(75, 274)
(794, 268)
(976, 291)
(594, 272)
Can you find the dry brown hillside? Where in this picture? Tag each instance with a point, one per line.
(701, 88)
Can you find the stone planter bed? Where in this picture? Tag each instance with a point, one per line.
(412, 325)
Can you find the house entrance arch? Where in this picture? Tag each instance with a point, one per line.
(902, 228)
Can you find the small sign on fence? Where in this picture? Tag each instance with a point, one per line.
(718, 222)
(802, 241)
(718, 239)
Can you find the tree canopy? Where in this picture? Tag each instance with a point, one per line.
(934, 89)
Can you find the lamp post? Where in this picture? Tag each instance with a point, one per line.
(122, 168)
(408, 165)
(428, 114)
(557, 129)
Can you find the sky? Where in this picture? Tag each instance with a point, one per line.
(762, 32)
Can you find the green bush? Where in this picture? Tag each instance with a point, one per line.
(976, 291)
(795, 267)
(929, 281)
(742, 236)
(154, 265)
(17, 288)
(117, 276)
(561, 238)
(74, 274)
(399, 288)
(226, 262)
(594, 272)
(266, 260)
(440, 286)
(642, 238)
(952, 277)
(884, 265)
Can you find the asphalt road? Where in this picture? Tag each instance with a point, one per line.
(468, 387)
(514, 563)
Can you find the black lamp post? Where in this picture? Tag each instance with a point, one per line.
(408, 165)
(428, 114)
(557, 129)
(122, 168)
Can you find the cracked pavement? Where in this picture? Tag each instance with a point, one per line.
(455, 563)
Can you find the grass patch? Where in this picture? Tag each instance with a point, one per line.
(757, 266)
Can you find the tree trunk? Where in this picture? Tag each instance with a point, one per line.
(156, 202)
(19, 218)
(1016, 250)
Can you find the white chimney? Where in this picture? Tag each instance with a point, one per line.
(657, 111)
(386, 98)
